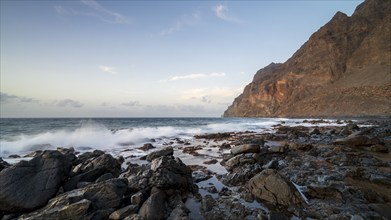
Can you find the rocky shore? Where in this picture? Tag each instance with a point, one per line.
(318, 171)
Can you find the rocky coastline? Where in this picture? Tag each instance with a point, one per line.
(319, 169)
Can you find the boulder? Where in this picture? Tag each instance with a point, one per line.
(245, 148)
(170, 172)
(154, 208)
(3, 164)
(167, 151)
(81, 203)
(274, 189)
(147, 147)
(30, 184)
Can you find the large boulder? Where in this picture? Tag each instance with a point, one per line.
(80, 203)
(357, 139)
(30, 184)
(93, 168)
(155, 207)
(274, 189)
(170, 172)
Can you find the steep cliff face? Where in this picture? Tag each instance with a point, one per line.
(344, 69)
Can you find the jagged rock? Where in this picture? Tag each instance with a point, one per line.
(79, 203)
(167, 151)
(245, 148)
(105, 177)
(199, 176)
(170, 172)
(241, 174)
(3, 164)
(30, 184)
(147, 147)
(154, 208)
(91, 170)
(134, 217)
(272, 188)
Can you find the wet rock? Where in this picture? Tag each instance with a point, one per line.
(199, 176)
(155, 207)
(167, 151)
(225, 146)
(90, 155)
(315, 131)
(277, 149)
(170, 172)
(215, 136)
(3, 164)
(92, 169)
(273, 188)
(241, 174)
(123, 212)
(14, 156)
(245, 148)
(147, 147)
(207, 203)
(30, 184)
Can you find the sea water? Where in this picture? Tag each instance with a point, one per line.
(23, 135)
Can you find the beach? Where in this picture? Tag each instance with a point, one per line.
(336, 169)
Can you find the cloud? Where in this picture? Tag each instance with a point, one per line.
(206, 99)
(183, 22)
(221, 11)
(196, 76)
(9, 98)
(107, 69)
(98, 11)
(69, 103)
(131, 104)
(205, 94)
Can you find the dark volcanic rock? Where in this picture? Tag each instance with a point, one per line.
(167, 151)
(245, 148)
(272, 188)
(30, 184)
(81, 203)
(155, 207)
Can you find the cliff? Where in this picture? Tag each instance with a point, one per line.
(344, 69)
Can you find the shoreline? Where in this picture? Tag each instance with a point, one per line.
(343, 169)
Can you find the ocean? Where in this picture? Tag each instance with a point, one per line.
(23, 135)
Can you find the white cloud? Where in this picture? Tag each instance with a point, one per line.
(108, 69)
(9, 98)
(131, 103)
(69, 103)
(221, 11)
(196, 76)
(205, 94)
(183, 22)
(96, 10)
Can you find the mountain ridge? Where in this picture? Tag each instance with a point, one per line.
(344, 69)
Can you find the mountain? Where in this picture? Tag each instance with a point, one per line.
(344, 69)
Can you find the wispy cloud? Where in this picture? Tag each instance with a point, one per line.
(9, 98)
(131, 104)
(97, 11)
(68, 103)
(205, 94)
(183, 22)
(195, 76)
(222, 12)
(107, 69)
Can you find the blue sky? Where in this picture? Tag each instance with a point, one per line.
(144, 58)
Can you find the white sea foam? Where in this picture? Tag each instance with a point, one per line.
(92, 135)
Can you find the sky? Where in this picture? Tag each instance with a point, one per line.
(145, 58)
